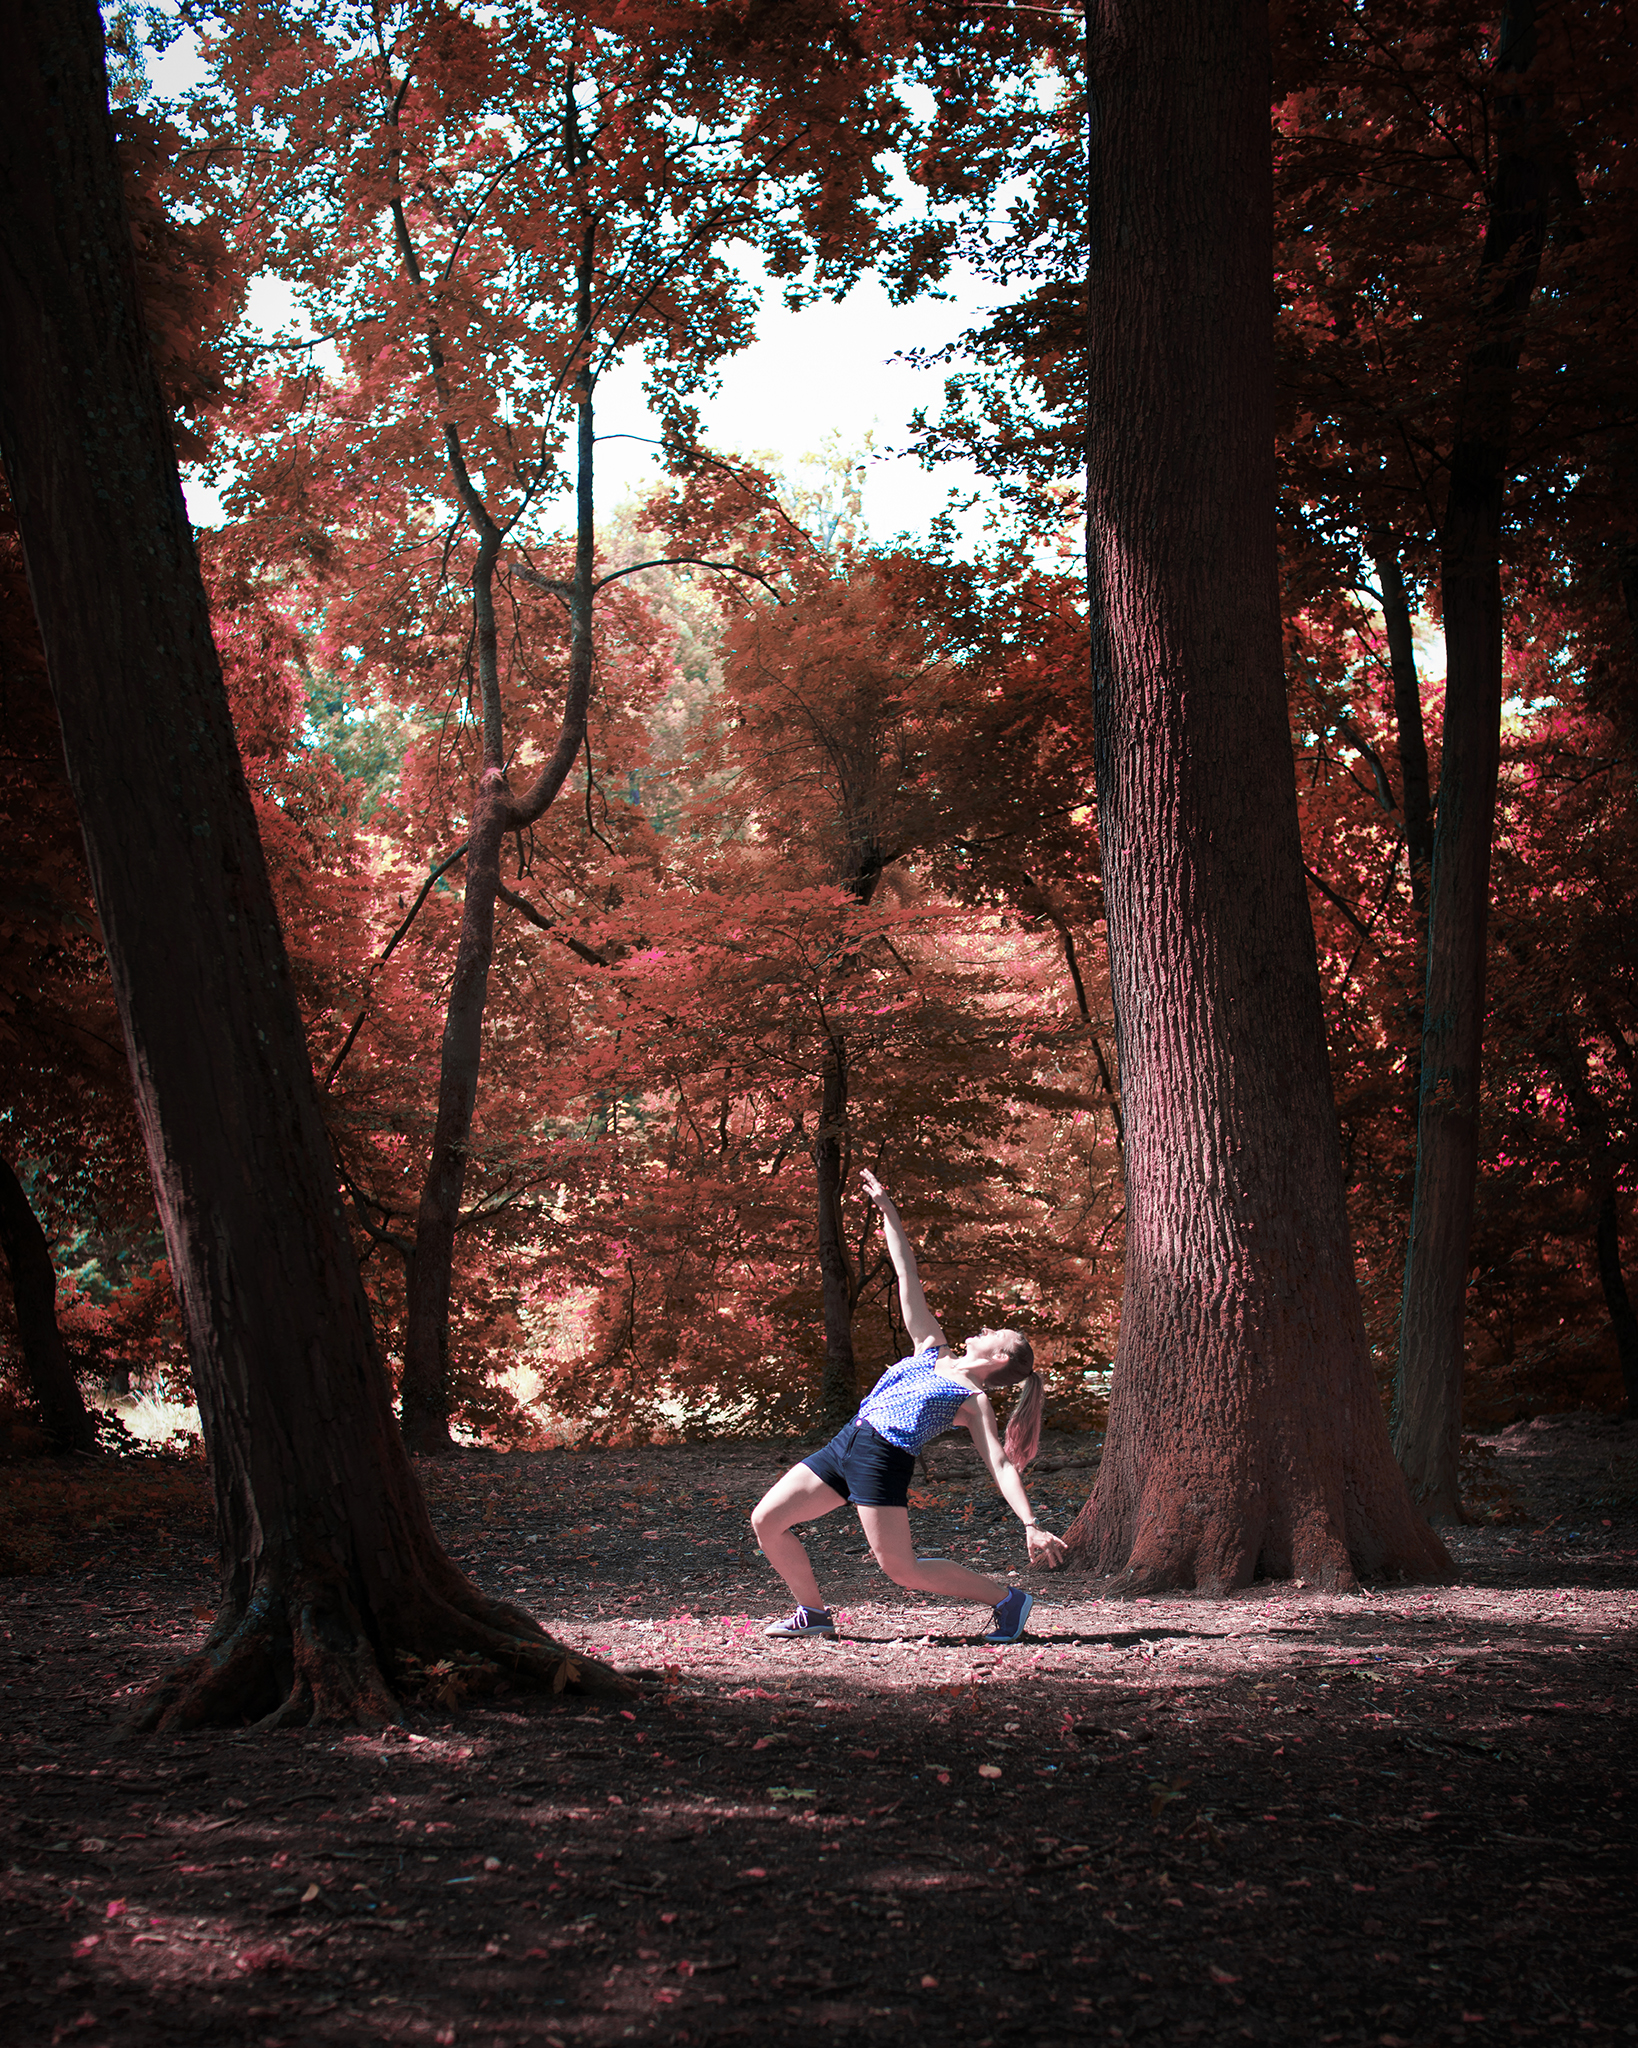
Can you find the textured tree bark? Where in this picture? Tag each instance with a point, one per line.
(47, 1367)
(331, 1569)
(1428, 1388)
(1245, 1432)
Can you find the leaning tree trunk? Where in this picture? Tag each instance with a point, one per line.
(47, 1368)
(331, 1570)
(1428, 1388)
(1245, 1432)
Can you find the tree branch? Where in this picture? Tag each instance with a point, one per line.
(1342, 904)
(541, 922)
(684, 562)
(421, 896)
(1357, 740)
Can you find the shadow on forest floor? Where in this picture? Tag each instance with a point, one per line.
(1388, 1819)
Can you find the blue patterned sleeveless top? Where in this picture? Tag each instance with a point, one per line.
(913, 1402)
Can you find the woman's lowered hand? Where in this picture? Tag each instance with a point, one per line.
(1044, 1547)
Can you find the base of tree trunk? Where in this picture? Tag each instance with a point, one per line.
(1149, 1529)
(299, 1655)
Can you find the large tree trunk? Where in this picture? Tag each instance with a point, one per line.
(1428, 1388)
(331, 1570)
(1245, 1431)
(47, 1368)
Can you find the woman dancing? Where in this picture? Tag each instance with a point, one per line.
(870, 1461)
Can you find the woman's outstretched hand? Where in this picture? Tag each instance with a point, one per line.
(1045, 1548)
(872, 1186)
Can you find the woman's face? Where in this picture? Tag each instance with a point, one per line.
(989, 1349)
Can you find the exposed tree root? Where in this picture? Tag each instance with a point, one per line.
(303, 1657)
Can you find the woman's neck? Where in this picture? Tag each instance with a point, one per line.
(960, 1366)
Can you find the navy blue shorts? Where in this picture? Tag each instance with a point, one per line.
(864, 1468)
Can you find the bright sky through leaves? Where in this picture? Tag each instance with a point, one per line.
(825, 374)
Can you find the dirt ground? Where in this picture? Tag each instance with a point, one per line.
(1396, 1818)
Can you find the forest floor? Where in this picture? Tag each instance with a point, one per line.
(1396, 1818)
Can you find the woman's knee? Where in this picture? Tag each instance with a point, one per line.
(903, 1571)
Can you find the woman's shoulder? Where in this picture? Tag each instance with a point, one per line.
(917, 1361)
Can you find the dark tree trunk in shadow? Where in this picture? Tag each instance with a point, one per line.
(1415, 797)
(424, 1392)
(1245, 1432)
(1428, 1387)
(331, 1570)
(1607, 1246)
(47, 1367)
(840, 1387)
(1592, 1124)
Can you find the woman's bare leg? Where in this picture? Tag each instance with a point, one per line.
(801, 1496)
(888, 1533)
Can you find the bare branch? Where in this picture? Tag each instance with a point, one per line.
(1342, 904)
(686, 562)
(386, 954)
(541, 922)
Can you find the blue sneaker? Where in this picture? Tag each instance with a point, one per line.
(1010, 1616)
(806, 1621)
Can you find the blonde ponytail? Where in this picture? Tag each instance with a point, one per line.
(1023, 1438)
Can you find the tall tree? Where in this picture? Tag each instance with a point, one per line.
(1523, 192)
(487, 212)
(1450, 401)
(331, 1570)
(1245, 1433)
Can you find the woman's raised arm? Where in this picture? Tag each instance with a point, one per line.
(919, 1320)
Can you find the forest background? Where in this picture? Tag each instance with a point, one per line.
(817, 883)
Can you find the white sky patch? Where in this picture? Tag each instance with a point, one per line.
(827, 373)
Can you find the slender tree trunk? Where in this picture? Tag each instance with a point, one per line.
(1607, 1248)
(839, 1390)
(1428, 1389)
(1415, 798)
(1245, 1431)
(1593, 1128)
(1416, 812)
(425, 1394)
(331, 1570)
(47, 1367)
